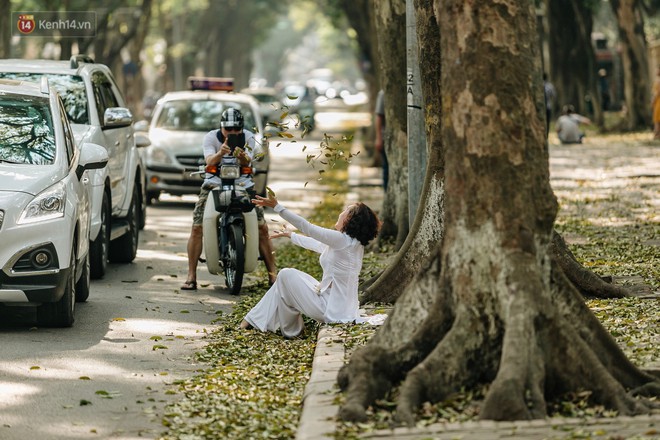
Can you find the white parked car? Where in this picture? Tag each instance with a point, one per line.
(98, 114)
(44, 203)
(180, 122)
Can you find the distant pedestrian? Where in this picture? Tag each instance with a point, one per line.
(380, 135)
(568, 126)
(604, 89)
(550, 95)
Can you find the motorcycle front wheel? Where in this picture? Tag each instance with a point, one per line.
(235, 261)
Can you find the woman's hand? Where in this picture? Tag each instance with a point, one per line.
(280, 233)
(271, 201)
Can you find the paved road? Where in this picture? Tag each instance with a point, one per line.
(108, 376)
(111, 374)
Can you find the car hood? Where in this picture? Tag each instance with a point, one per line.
(29, 179)
(179, 142)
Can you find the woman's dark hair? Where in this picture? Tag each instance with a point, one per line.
(362, 223)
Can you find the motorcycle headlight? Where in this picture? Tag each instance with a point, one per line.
(47, 205)
(230, 172)
(159, 156)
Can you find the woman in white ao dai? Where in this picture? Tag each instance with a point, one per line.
(335, 297)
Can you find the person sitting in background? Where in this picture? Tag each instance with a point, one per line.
(568, 126)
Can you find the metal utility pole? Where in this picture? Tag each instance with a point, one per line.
(416, 126)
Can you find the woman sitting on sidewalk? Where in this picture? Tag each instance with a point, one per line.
(335, 298)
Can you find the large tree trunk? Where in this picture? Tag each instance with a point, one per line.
(390, 17)
(634, 55)
(491, 305)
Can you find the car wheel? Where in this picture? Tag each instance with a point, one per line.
(61, 313)
(100, 248)
(143, 208)
(82, 285)
(124, 249)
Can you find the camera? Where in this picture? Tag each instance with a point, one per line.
(235, 140)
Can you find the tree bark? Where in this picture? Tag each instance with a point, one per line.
(427, 229)
(491, 305)
(390, 17)
(634, 54)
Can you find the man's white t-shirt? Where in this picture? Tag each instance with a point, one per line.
(212, 145)
(568, 129)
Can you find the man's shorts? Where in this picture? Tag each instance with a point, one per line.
(198, 212)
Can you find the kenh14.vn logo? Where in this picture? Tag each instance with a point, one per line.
(25, 24)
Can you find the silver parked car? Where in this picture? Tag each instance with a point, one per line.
(180, 122)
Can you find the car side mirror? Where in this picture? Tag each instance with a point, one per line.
(141, 126)
(115, 117)
(142, 140)
(92, 157)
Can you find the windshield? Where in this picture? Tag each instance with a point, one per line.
(198, 115)
(70, 87)
(26, 130)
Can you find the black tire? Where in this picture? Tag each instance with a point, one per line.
(99, 249)
(124, 248)
(82, 285)
(234, 263)
(143, 208)
(61, 313)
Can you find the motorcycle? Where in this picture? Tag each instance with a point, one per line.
(230, 229)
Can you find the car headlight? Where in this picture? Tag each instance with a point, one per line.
(158, 156)
(47, 205)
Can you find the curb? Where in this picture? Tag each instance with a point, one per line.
(317, 419)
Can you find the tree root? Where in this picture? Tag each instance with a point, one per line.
(407, 337)
(587, 282)
(534, 348)
(444, 371)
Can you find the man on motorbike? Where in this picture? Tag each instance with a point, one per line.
(215, 147)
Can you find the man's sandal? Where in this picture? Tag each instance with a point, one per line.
(189, 285)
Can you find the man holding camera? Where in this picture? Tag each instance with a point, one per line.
(216, 145)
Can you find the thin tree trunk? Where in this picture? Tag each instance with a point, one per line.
(634, 55)
(390, 28)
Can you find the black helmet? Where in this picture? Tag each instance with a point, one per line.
(231, 118)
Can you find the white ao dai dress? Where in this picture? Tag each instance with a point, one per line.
(334, 299)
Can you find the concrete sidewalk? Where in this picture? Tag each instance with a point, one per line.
(598, 163)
